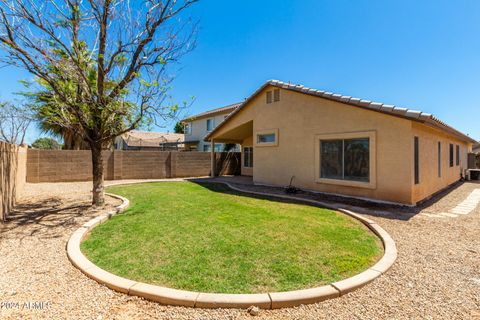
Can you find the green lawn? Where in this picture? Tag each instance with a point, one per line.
(208, 238)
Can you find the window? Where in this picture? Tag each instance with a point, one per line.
(416, 160)
(248, 157)
(188, 128)
(451, 155)
(345, 159)
(457, 152)
(208, 147)
(266, 138)
(209, 125)
(276, 95)
(439, 152)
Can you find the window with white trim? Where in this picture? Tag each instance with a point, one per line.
(210, 125)
(248, 157)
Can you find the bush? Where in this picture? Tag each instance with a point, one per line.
(46, 143)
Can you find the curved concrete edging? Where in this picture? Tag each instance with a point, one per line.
(272, 300)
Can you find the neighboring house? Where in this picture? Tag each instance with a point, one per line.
(198, 126)
(151, 141)
(342, 145)
(476, 148)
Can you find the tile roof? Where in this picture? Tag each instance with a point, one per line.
(136, 138)
(410, 114)
(224, 109)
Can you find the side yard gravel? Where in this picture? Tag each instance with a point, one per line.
(436, 275)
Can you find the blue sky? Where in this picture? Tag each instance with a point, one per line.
(423, 55)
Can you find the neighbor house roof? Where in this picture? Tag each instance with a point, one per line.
(397, 111)
(136, 138)
(209, 113)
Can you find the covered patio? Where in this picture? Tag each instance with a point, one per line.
(238, 134)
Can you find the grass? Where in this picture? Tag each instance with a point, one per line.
(208, 238)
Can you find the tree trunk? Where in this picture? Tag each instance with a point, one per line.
(97, 168)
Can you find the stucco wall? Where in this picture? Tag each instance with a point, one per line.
(301, 118)
(71, 165)
(430, 182)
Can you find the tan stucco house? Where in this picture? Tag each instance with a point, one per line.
(342, 145)
(198, 126)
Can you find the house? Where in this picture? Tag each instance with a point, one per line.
(341, 145)
(198, 126)
(476, 148)
(150, 141)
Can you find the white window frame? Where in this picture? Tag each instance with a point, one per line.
(188, 128)
(213, 124)
(371, 135)
(266, 132)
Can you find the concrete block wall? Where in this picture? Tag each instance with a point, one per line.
(144, 164)
(64, 165)
(72, 165)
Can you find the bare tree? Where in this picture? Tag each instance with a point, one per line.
(104, 61)
(14, 122)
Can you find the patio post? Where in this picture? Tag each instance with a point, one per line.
(213, 160)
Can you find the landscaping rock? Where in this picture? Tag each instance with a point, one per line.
(253, 310)
(431, 279)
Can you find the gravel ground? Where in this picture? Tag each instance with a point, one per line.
(436, 276)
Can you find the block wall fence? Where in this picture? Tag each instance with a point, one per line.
(76, 165)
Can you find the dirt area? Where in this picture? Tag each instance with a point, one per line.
(436, 275)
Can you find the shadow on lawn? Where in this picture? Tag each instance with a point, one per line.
(375, 209)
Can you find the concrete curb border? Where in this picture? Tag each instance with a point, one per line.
(272, 300)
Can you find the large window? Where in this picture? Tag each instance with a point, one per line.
(345, 159)
(416, 160)
(210, 125)
(248, 157)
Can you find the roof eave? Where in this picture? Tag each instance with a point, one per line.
(391, 110)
